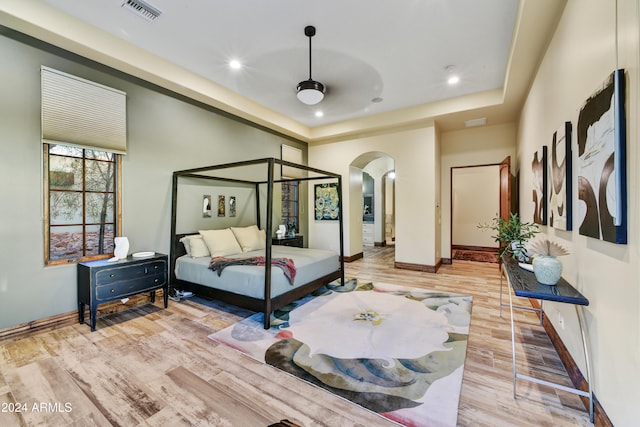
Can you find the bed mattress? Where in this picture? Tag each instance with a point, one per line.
(249, 280)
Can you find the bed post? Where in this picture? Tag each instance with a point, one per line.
(174, 243)
(267, 252)
(257, 188)
(341, 227)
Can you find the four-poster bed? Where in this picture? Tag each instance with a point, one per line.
(254, 287)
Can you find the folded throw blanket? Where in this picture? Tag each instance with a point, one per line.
(218, 263)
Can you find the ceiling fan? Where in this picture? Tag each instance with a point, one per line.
(309, 91)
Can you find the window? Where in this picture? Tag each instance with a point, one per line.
(290, 197)
(81, 203)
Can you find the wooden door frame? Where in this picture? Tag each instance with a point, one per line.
(506, 204)
(504, 170)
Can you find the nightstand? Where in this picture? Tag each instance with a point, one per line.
(297, 241)
(102, 281)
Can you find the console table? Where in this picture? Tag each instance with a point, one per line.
(524, 284)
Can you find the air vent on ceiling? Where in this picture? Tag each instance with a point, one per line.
(142, 9)
(476, 122)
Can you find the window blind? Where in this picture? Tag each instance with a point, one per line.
(80, 112)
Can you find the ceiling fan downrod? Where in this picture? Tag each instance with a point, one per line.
(309, 91)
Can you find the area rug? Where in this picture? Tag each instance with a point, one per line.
(478, 256)
(396, 351)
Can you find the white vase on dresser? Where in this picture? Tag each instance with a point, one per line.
(121, 250)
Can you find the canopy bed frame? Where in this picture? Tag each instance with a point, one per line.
(301, 173)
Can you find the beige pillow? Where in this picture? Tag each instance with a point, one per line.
(220, 242)
(198, 247)
(187, 246)
(194, 246)
(249, 238)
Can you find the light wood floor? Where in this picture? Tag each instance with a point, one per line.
(155, 367)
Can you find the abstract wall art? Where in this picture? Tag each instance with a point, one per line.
(560, 206)
(601, 136)
(326, 202)
(206, 206)
(539, 170)
(221, 207)
(232, 206)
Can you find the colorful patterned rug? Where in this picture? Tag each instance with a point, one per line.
(396, 351)
(478, 256)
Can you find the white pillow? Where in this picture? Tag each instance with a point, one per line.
(220, 242)
(186, 244)
(198, 247)
(195, 246)
(249, 238)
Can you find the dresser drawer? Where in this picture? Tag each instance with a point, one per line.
(126, 272)
(367, 234)
(116, 290)
(297, 241)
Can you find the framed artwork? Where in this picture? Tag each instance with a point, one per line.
(326, 202)
(221, 206)
(539, 170)
(232, 206)
(602, 163)
(560, 178)
(206, 206)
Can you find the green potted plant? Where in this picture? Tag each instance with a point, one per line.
(512, 234)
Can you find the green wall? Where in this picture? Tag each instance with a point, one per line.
(165, 133)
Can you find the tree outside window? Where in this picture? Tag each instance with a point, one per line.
(80, 203)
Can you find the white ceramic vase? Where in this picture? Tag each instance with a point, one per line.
(547, 268)
(122, 247)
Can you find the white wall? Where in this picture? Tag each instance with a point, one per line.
(414, 153)
(475, 200)
(474, 146)
(389, 208)
(580, 57)
(189, 216)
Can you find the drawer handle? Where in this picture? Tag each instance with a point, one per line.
(113, 290)
(155, 281)
(155, 266)
(112, 275)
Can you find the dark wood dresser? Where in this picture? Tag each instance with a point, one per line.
(102, 281)
(297, 241)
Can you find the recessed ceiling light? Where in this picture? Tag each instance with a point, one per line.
(319, 114)
(235, 64)
(453, 78)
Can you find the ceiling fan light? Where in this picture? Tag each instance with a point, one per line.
(310, 92)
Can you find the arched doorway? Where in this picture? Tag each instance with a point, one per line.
(372, 197)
